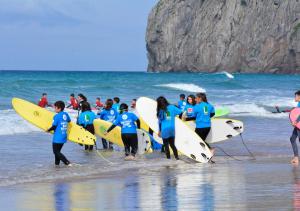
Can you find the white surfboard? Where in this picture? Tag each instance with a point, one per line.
(221, 129)
(186, 140)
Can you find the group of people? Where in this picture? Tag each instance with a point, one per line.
(195, 107)
(112, 111)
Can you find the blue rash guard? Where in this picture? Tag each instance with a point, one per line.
(298, 105)
(166, 120)
(189, 109)
(202, 112)
(60, 121)
(181, 104)
(127, 121)
(116, 106)
(86, 118)
(108, 115)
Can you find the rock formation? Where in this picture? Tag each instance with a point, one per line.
(217, 35)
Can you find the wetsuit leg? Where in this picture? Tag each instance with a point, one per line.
(126, 142)
(110, 146)
(104, 143)
(166, 146)
(91, 129)
(295, 134)
(134, 144)
(172, 145)
(58, 155)
(55, 148)
(203, 133)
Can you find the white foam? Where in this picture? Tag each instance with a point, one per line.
(229, 75)
(251, 109)
(12, 123)
(183, 87)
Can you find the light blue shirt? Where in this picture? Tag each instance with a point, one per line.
(166, 120)
(189, 109)
(202, 112)
(108, 115)
(86, 118)
(61, 120)
(127, 122)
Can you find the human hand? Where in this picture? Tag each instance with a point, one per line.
(159, 134)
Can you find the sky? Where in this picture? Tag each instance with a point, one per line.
(103, 35)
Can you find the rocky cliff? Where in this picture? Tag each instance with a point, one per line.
(232, 35)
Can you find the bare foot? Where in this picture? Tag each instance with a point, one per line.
(295, 160)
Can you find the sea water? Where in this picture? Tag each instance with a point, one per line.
(26, 162)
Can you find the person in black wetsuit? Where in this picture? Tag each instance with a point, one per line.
(126, 120)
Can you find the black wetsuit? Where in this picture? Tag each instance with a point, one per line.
(91, 129)
(130, 140)
(56, 150)
(202, 132)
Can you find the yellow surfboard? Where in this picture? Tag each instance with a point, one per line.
(114, 136)
(42, 118)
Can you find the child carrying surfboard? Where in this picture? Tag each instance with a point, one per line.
(60, 127)
(108, 114)
(166, 114)
(86, 119)
(126, 120)
(296, 133)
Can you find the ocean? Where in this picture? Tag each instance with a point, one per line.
(233, 183)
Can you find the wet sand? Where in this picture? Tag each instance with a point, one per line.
(268, 184)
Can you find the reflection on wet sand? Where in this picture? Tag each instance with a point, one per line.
(255, 186)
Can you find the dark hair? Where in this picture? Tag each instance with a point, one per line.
(116, 99)
(162, 104)
(134, 99)
(297, 93)
(98, 98)
(202, 96)
(123, 107)
(108, 103)
(193, 99)
(72, 95)
(44, 94)
(182, 96)
(82, 97)
(60, 104)
(85, 106)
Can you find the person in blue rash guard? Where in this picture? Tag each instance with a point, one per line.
(295, 134)
(203, 112)
(86, 119)
(108, 114)
(116, 104)
(60, 127)
(126, 120)
(189, 108)
(181, 103)
(166, 114)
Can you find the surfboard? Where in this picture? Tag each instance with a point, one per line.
(221, 129)
(114, 136)
(221, 111)
(295, 116)
(42, 118)
(186, 140)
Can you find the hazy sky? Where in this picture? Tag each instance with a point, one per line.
(73, 34)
